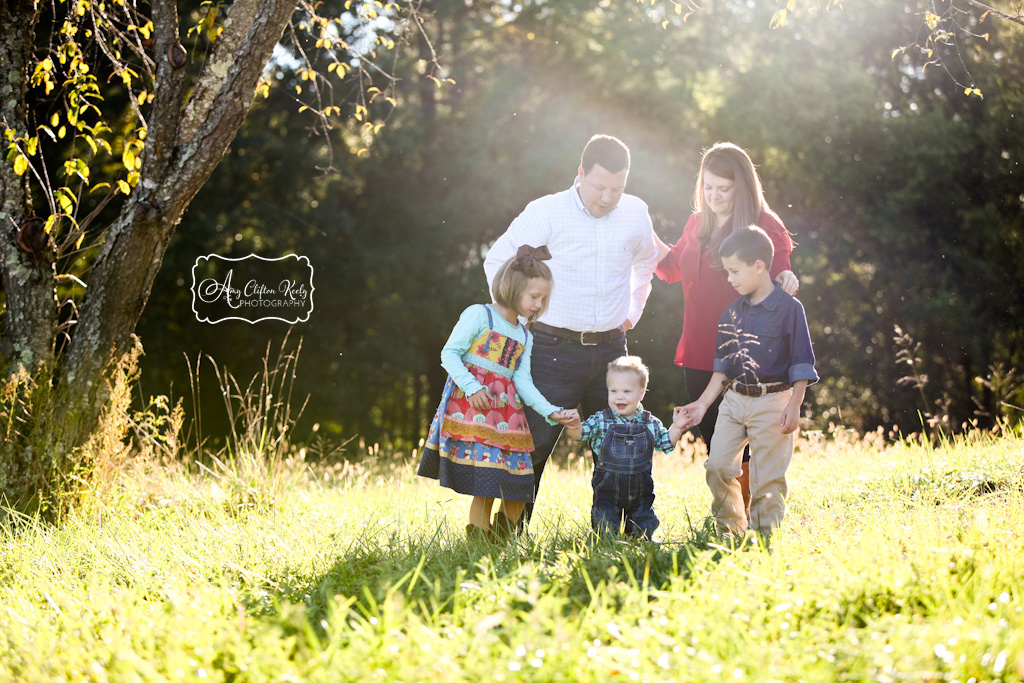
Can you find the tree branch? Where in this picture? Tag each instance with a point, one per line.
(1017, 19)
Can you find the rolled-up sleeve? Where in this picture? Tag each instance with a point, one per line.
(801, 355)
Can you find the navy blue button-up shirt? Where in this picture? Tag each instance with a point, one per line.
(766, 342)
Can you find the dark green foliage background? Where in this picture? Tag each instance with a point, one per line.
(903, 194)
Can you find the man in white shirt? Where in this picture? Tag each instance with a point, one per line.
(603, 254)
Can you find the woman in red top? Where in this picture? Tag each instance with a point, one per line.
(728, 194)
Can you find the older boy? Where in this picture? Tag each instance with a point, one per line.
(624, 437)
(764, 362)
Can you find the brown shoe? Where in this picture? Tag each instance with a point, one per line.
(477, 533)
(503, 527)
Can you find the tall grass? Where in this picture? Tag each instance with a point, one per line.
(896, 562)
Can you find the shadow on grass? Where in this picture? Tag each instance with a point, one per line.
(442, 573)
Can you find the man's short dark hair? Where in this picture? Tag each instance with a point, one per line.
(749, 244)
(609, 152)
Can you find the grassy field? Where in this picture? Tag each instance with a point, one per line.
(899, 562)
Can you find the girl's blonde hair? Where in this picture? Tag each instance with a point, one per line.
(729, 161)
(511, 281)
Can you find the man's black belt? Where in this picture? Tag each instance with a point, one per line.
(584, 338)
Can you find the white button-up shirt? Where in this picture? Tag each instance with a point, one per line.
(602, 267)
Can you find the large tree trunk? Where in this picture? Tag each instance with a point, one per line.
(183, 147)
(185, 141)
(30, 321)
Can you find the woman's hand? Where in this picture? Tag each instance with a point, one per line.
(480, 401)
(789, 282)
(663, 249)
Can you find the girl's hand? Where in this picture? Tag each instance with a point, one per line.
(481, 400)
(789, 282)
(567, 418)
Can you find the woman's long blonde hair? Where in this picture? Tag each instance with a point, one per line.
(729, 161)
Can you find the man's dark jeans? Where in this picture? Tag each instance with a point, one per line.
(568, 374)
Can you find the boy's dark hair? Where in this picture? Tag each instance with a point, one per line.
(610, 152)
(749, 244)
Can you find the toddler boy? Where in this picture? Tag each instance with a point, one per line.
(764, 362)
(624, 437)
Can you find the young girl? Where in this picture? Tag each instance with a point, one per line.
(479, 443)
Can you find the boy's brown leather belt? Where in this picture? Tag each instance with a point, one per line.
(758, 389)
(584, 338)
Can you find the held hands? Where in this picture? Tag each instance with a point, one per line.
(567, 418)
(689, 415)
(481, 400)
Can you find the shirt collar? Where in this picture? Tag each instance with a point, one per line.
(635, 417)
(771, 302)
(579, 201)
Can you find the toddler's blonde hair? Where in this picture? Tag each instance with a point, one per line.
(631, 364)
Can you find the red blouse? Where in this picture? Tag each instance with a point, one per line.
(706, 289)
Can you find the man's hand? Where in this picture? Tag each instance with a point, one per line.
(481, 400)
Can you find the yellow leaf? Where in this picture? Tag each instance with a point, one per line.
(124, 187)
(66, 205)
(20, 164)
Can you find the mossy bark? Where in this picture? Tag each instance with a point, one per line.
(186, 139)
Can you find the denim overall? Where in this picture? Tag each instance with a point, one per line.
(622, 482)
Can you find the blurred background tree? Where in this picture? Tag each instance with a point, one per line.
(902, 190)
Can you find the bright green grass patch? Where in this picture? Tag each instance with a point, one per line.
(895, 563)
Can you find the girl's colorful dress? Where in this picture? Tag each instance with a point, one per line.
(485, 453)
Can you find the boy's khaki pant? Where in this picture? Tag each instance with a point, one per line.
(755, 419)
